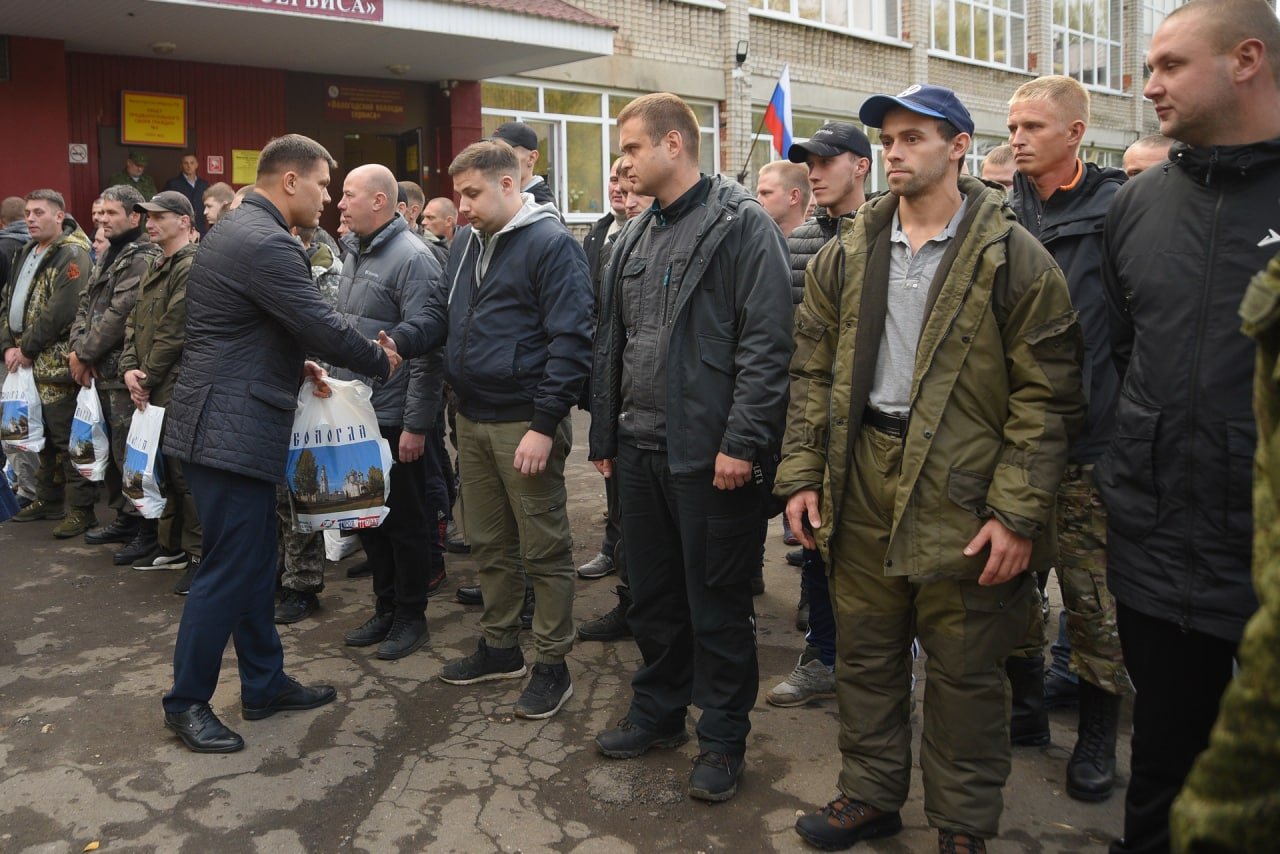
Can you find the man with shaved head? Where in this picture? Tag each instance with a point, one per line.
(1182, 244)
(1145, 153)
(387, 277)
(782, 187)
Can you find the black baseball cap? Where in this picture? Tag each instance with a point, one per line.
(938, 102)
(170, 200)
(517, 133)
(829, 140)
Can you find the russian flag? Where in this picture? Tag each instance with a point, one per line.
(777, 116)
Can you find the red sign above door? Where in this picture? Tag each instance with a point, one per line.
(352, 10)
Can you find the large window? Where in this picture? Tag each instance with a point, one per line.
(1153, 14)
(993, 32)
(1086, 41)
(577, 136)
(873, 17)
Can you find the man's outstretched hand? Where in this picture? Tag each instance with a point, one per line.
(388, 345)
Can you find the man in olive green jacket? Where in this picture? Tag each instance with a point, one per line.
(936, 381)
(154, 335)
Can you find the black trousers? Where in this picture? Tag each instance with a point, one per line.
(1180, 677)
(232, 594)
(398, 548)
(691, 551)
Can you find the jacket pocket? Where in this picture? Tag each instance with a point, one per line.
(545, 529)
(277, 398)
(717, 352)
(528, 360)
(1241, 444)
(969, 490)
(808, 333)
(1126, 473)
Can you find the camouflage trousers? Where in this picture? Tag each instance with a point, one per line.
(1082, 575)
(299, 556)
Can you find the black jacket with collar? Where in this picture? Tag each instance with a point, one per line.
(804, 242)
(1069, 224)
(730, 340)
(1182, 242)
(253, 312)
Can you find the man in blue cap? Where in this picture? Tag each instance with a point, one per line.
(934, 386)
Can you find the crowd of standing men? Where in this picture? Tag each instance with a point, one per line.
(948, 389)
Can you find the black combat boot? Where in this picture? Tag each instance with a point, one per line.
(143, 545)
(1029, 724)
(1091, 771)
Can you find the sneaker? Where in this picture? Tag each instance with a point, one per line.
(121, 530)
(143, 546)
(163, 560)
(78, 520)
(628, 740)
(795, 557)
(293, 606)
(811, 680)
(40, 509)
(845, 822)
(183, 587)
(485, 665)
(547, 691)
(715, 776)
(598, 567)
(404, 637)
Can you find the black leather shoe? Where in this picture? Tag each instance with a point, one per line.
(404, 637)
(457, 546)
(359, 570)
(469, 595)
(295, 697)
(845, 822)
(715, 776)
(373, 630)
(201, 731)
(628, 740)
(143, 545)
(122, 530)
(294, 606)
(611, 626)
(795, 558)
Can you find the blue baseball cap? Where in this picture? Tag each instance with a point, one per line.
(935, 101)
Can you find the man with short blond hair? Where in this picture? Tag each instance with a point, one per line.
(1063, 201)
(516, 357)
(782, 188)
(998, 166)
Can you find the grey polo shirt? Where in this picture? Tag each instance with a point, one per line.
(910, 276)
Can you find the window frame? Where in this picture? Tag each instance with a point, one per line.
(993, 10)
(1114, 41)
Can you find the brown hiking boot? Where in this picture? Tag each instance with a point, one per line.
(951, 842)
(79, 520)
(845, 822)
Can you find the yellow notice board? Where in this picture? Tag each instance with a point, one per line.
(151, 118)
(244, 165)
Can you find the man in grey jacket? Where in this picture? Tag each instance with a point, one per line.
(387, 277)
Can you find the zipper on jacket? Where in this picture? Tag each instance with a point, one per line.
(1189, 491)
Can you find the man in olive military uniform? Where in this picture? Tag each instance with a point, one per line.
(153, 341)
(97, 340)
(1231, 801)
(134, 175)
(934, 387)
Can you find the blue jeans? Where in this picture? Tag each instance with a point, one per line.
(822, 622)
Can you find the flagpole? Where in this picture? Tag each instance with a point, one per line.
(755, 138)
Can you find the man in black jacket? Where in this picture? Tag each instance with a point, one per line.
(689, 382)
(515, 308)
(252, 314)
(191, 185)
(1063, 201)
(524, 140)
(1182, 242)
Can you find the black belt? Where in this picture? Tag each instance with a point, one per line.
(886, 422)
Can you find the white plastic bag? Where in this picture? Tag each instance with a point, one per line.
(339, 545)
(90, 448)
(339, 466)
(21, 421)
(143, 463)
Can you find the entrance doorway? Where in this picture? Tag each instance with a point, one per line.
(399, 152)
